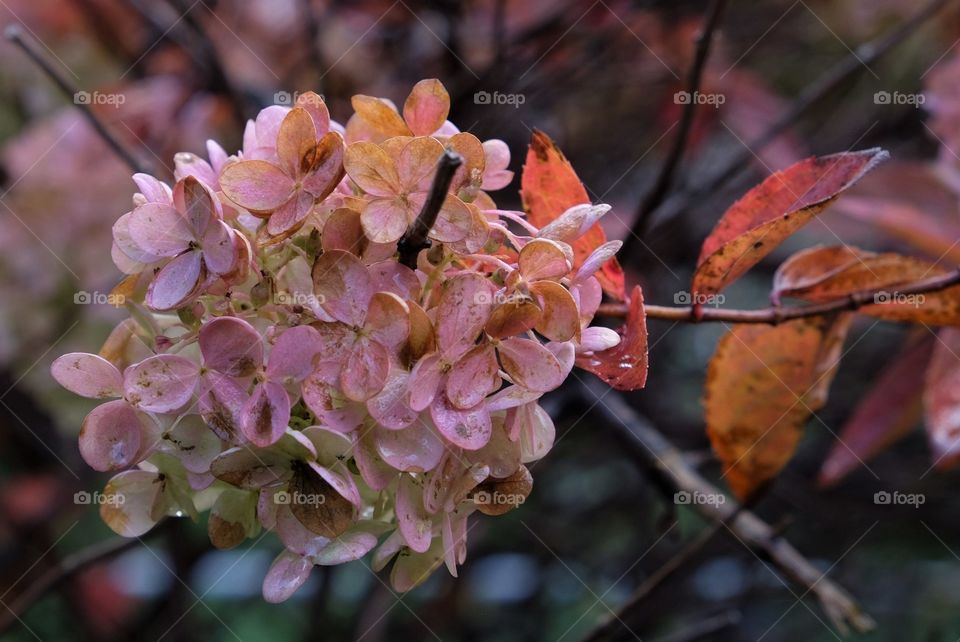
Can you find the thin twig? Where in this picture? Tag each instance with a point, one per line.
(415, 238)
(14, 33)
(661, 185)
(648, 445)
(67, 568)
(775, 315)
(852, 64)
(703, 628)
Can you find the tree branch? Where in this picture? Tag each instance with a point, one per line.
(64, 570)
(649, 446)
(864, 55)
(774, 315)
(661, 185)
(15, 34)
(415, 238)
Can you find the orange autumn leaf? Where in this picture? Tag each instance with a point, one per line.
(823, 274)
(624, 366)
(783, 203)
(549, 187)
(890, 410)
(763, 383)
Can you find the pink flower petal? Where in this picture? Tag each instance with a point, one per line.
(256, 185)
(389, 408)
(530, 364)
(365, 371)
(390, 276)
(424, 381)
(454, 537)
(266, 414)
(162, 383)
(219, 249)
(385, 220)
(329, 404)
(153, 190)
(159, 229)
(232, 346)
(293, 352)
(560, 320)
(196, 202)
(418, 163)
(343, 284)
(468, 429)
(221, 403)
(193, 443)
(465, 306)
(346, 548)
(496, 176)
(176, 282)
(110, 436)
(387, 321)
(543, 259)
(415, 449)
(371, 169)
(316, 106)
(375, 472)
(414, 523)
(251, 469)
(296, 137)
(129, 501)
(473, 377)
(427, 107)
(126, 244)
(87, 375)
(326, 167)
(287, 573)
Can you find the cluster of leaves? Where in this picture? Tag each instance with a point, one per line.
(285, 370)
(767, 379)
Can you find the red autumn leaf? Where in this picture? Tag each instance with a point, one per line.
(829, 273)
(941, 400)
(763, 384)
(891, 410)
(549, 187)
(624, 366)
(783, 203)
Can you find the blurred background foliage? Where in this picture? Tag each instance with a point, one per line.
(599, 78)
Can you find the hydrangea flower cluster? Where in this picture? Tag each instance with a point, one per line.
(285, 370)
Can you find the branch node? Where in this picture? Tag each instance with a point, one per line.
(415, 238)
